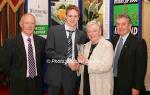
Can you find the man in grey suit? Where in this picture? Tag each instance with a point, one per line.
(61, 72)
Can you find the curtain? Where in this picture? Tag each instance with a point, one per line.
(10, 14)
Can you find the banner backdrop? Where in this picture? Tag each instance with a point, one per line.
(40, 10)
(133, 9)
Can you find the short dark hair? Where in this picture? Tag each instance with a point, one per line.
(72, 7)
(124, 16)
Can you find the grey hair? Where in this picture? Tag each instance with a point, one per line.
(125, 16)
(95, 22)
(27, 14)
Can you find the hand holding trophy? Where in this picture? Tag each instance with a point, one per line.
(81, 57)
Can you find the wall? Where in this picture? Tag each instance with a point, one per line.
(146, 36)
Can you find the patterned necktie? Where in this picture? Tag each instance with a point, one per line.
(69, 41)
(31, 61)
(117, 55)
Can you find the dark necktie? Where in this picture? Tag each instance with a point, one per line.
(117, 55)
(31, 61)
(69, 41)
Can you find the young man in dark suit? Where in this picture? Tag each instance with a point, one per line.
(23, 56)
(130, 61)
(61, 73)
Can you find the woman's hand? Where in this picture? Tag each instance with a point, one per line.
(82, 59)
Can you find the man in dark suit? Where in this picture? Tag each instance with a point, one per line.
(61, 72)
(23, 57)
(130, 61)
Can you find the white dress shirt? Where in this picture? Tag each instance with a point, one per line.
(25, 37)
(73, 38)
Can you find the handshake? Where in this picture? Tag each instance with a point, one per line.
(74, 65)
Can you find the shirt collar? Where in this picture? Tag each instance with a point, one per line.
(124, 37)
(26, 37)
(69, 28)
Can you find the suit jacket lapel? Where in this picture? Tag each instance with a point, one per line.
(63, 33)
(21, 48)
(37, 52)
(36, 46)
(114, 42)
(126, 45)
(76, 36)
(64, 36)
(76, 42)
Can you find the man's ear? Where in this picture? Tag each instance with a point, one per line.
(130, 27)
(20, 23)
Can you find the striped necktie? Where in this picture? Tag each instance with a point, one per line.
(31, 61)
(69, 41)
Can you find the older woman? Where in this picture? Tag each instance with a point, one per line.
(96, 73)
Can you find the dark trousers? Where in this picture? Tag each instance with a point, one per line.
(120, 90)
(123, 91)
(33, 86)
(30, 87)
(53, 90)
(145, 93)
(65, 88)
(68, 84)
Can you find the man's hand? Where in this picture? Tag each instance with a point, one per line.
(135, 91)
(77, 66)
(73, 64)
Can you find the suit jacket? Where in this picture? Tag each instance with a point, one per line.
(15, 63)
(132, 63)
(99, 68)
(56, 49)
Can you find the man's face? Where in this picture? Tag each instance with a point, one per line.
(72, 18)
(123, 26)
(28, 25)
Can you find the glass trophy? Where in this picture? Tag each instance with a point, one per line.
(80, 48)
